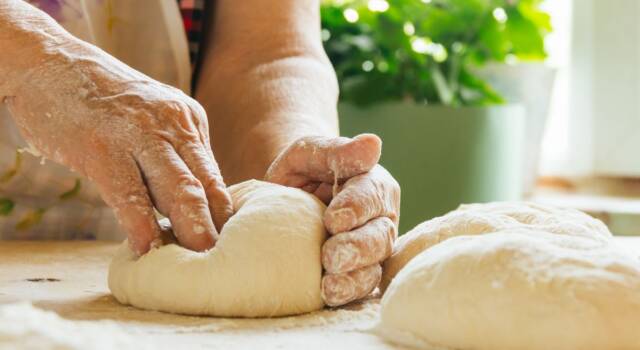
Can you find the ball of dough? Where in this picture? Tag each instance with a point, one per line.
(475, 219)
(266, 262)
(521, 290)
(512, 276)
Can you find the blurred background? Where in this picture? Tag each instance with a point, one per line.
(485, 100)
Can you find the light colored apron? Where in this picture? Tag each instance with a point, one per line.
(43, 200)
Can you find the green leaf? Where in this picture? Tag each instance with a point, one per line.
(366, 90)
(408, 74)
(491, 41)
(444, 92)
(524, 36)
(477, 92)
(30, 219)
(72, 192)
(541, 19)
(6, 206)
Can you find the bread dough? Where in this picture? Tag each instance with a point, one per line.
(476, 219)
(514, 276)
(266, 262)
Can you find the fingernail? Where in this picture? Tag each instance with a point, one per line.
(341, 220)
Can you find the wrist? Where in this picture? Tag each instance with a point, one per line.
(258, 146)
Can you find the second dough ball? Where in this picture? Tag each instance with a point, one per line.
(513, 276)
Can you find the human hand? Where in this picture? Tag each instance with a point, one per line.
(362, 213)
(145, 144)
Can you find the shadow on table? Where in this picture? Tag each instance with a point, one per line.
(358, 316)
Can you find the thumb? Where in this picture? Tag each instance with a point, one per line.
(322, 159)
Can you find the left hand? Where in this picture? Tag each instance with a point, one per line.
(362, 216)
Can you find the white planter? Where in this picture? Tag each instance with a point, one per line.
(531, 85)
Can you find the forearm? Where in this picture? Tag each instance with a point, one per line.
(35, 51)
(256, 114)
(267, 84)
(26, 38)
(54, 81)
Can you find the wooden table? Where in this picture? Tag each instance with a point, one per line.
(70, 278)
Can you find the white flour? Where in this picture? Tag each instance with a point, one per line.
(23, 326)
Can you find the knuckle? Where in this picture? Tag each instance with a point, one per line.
(184, 119)
(196, 109)
(186, 183)
(387, 228)
(392, 186)
(386, 224)
(197, 115)
(191, 152)
(210, 184)
(389, 232)
(182, 116)
(304, 141)
(213, 185)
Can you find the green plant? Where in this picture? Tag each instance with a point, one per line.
(426, 50)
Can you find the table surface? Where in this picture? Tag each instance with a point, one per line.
(70, 278)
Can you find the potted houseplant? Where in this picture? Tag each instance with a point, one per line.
(407, 72)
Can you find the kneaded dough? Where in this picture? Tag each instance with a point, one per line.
(266, 262)
(514, 276)
(477, 219)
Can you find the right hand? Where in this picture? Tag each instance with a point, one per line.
(144, 143)
(363, 207)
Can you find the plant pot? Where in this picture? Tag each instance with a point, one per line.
(530, 84)
(442, 156)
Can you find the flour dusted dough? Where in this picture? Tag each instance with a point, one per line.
(512, 276)
(476, 219)
(266, 262)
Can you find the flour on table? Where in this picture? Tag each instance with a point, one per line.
(512, 276)
(23, 327)
(266, 262)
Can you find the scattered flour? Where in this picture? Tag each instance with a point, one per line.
(23, 326)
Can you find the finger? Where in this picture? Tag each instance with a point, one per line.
(365, 246)
(178, 195)
(324, 192)
(203, 165)
(311, 187)
(320, 159)
(123, 189)
(363, 198)
(339, 289)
